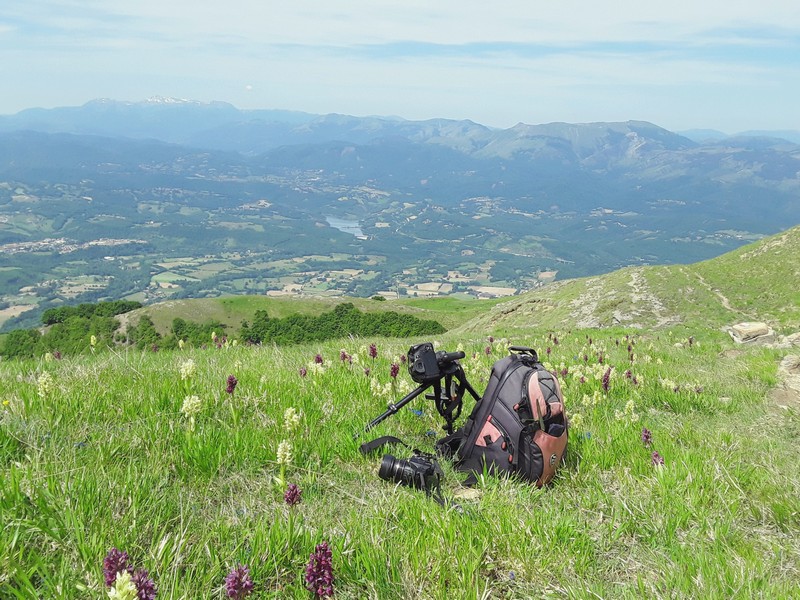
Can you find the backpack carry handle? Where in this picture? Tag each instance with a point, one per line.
(525, 350)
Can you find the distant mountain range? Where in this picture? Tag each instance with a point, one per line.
(527, 158)
(617, 166)
(222, 126)
(388, 205)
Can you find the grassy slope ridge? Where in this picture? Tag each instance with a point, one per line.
(103, 450)
(760, 281)
(232, 310)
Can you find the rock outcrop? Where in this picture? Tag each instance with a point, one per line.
(752, 331)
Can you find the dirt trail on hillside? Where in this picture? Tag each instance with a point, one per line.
(645, 308)
(722, 298)
(584, 307)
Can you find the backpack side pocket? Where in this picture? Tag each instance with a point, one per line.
(541, 454)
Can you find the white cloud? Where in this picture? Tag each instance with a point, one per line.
(445, 21)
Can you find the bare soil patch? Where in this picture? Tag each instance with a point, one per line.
(786, 395)
(14, 311)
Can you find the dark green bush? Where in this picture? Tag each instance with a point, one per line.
(342, 321)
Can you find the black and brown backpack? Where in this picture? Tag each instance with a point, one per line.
(518, 427)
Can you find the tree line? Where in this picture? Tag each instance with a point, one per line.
(93, 327)
(342, 321)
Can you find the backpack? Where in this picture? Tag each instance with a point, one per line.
(519, 425)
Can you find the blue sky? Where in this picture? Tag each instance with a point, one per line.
(732, 65)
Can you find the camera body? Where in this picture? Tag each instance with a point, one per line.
(423, 365)
(426, 366)
(420, 471)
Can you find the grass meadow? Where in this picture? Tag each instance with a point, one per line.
(153, 453)
(230, 311)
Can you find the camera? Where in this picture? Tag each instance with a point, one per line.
(425, 365)
(420, 471)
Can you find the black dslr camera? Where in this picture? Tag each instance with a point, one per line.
(426, 366)
(421, 471)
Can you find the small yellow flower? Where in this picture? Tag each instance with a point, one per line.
(188, 369)
(629, 414)
(45, 384)
(93, 341)
(191, 406)
(124, 588)
(6, 402)
(291, 419)
(380, 390)
(285, 452)
(316, 368)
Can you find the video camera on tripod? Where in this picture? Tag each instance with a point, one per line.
(429, 369)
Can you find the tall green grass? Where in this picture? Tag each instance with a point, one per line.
(95, 453)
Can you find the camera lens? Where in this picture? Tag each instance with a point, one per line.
(398, 471)
(388, 467)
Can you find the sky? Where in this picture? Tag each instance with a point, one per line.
(729, 65)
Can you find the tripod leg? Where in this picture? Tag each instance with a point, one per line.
(470, 389)
(392, 409)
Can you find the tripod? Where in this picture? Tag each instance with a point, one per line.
(449, 400)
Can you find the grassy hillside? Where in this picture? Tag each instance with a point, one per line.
(110, 450)
(759, 282)
(164, 456)
(232, 310)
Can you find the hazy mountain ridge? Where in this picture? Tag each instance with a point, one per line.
(208, 124)
(514, 162)
(630, 149)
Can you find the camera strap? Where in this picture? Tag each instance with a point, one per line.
(436, 492)
(382, 441)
